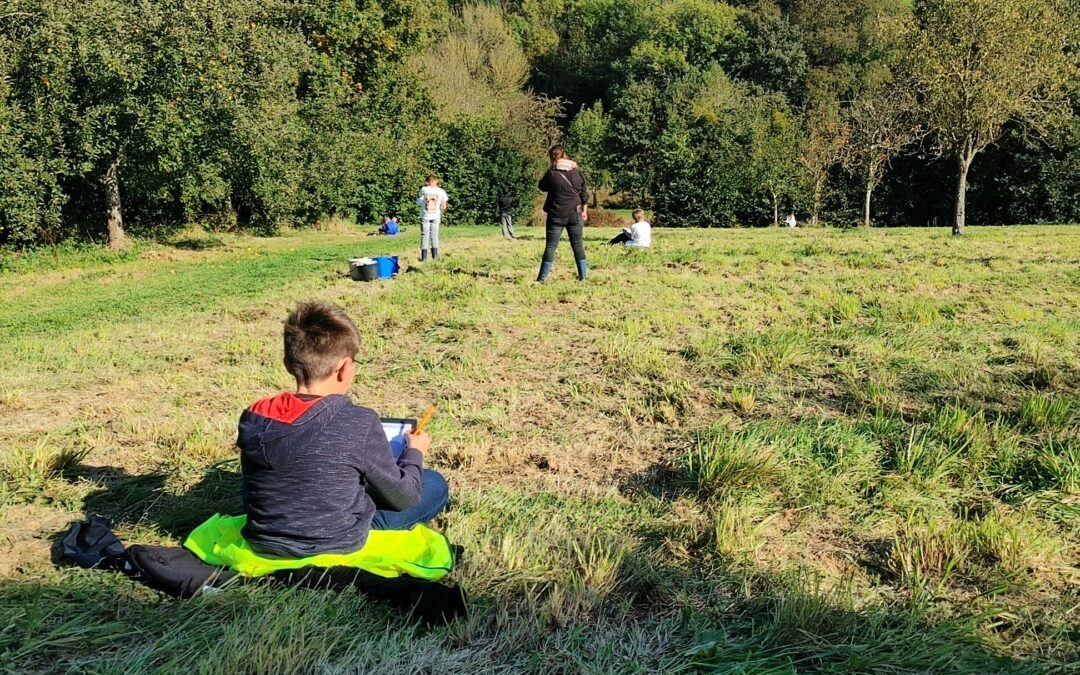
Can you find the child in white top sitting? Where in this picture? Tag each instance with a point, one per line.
(638, 235)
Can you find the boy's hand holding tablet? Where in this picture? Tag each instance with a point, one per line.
(406, 433)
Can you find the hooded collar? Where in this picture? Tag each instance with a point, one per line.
(286, 407)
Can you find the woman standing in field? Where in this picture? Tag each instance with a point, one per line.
(566, 207)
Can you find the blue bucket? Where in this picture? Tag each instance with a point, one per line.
(388, 266)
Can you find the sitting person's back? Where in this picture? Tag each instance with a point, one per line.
(317, 470)
(390, 225)
(640, 231)
(638, 235)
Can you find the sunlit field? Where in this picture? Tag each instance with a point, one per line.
(740, 451)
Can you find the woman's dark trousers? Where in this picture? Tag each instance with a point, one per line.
(574, 227)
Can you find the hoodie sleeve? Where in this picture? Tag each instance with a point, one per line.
(390, 484)
(545, 182)
(583, 191)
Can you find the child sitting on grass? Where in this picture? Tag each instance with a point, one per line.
(317, 470)
(639, 234)
(389, 225)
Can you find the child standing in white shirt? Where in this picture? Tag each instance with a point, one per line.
(638, 235)
(433, 201)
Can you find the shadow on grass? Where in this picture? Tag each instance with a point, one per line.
(198, 243)
(721, 614)
(144, 501)
(91, 621)
(787, 622)
(773, 618)
(665, 481)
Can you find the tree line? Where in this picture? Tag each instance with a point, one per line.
(723, 113)
(124, 116)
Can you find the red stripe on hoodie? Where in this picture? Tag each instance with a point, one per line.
(286, 407)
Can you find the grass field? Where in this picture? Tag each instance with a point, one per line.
(742, 451)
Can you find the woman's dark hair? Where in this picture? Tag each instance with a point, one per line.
(556, 153)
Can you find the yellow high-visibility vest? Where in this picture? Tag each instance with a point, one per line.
(420, 552)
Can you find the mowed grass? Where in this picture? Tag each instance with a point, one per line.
(741, 451)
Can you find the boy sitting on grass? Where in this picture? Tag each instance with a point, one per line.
(317, 470)
(389, 225)
(639, 234)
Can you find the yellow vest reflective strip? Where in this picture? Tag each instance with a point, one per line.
(420, 552)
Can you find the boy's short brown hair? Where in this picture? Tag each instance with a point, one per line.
(317, 336)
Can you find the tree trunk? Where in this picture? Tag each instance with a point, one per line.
(866, 206)
(775, 210)
(111, 182)
(963, 164)
(819, 188)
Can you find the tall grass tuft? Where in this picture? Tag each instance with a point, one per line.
(925, 456)
(11, 399)
(1056, 465)
(844, 307)
(1045, 412)
(924, 556)
(769, 352)
(27, 470)
(742, 400)
(724, 460)
(737, 527)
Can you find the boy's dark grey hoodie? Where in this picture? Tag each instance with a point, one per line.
(313, 469)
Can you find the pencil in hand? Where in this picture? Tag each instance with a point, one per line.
(425, 419)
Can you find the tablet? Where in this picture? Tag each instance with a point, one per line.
(395, 429)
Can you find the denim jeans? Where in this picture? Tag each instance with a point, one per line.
(433, 499)
(574, 227)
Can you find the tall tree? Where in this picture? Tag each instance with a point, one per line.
(826, 133)
(585, 138)
(773, 57)
(847, 42)
(774, 153)
(978, 64)
(882, 123)
(496, 133)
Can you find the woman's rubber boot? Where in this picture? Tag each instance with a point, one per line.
(545, 270)
(582, 270)
(434, 254)
(423, 254)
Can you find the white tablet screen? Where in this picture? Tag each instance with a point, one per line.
(395, 430)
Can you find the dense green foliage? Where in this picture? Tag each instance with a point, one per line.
(259, 114)
(686, 83)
